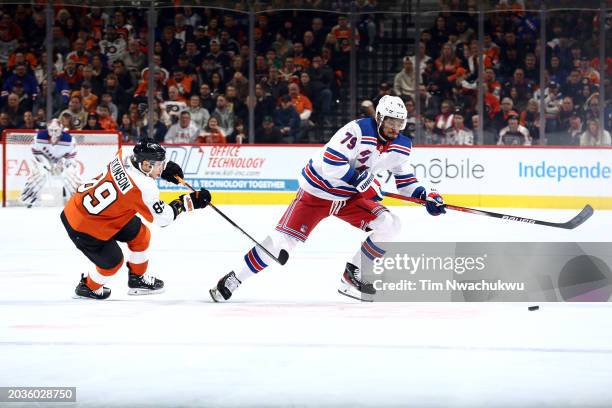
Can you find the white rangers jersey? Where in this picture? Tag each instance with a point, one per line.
(42, 148)
(355, 148)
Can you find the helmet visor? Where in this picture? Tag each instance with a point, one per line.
(394, 123)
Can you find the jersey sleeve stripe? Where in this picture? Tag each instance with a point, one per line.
(333, 153)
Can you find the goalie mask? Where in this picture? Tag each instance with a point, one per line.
(392, 112)
(148, 150)
(55, 130)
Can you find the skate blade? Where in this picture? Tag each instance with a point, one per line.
(353, 293)
(142, 292)
(77, 297)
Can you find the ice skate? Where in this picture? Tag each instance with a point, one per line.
(224, 289)
(83, 291)
(353, 286)
(144, 284)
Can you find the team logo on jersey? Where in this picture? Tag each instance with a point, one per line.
(303, 228)
(120, 176)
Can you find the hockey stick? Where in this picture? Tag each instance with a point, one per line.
(582, 216)
(283, 255)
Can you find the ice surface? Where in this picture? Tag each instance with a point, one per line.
(287, 338)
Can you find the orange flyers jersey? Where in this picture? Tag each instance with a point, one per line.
(102, 206)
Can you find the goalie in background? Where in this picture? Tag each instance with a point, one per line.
(54, 151)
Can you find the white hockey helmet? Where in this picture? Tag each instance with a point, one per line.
(392, 107)
(55, 130)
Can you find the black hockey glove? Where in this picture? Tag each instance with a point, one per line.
(171, 171)
(196, 199)
(190, 202)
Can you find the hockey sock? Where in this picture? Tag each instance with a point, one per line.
(96, 279)
(257, 260)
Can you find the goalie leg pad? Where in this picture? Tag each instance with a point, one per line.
(34, 186)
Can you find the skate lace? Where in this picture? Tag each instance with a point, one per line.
(148, 279)
(358, 278)
(232, 283)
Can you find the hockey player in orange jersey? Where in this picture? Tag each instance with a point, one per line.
(103, 211)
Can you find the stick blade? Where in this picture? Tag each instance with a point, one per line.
(283, 257)
(579, 219)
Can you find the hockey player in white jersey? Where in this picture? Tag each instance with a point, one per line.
(54, 153)
(340, 180)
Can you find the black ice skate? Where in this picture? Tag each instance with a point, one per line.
(353, 286)
(224, 289)
(83, 291)
(144, 284)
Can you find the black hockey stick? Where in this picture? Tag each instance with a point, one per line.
(283, 255)
(582, 216)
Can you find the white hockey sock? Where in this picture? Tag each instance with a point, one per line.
(257, 260)
(384, 229)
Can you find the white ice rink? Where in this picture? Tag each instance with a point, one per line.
(287, 338)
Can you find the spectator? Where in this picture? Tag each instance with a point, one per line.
(500, 119)
(170, 48)
(448, 62)
(185, 84)
(594, 135)
(240, 84)
(104, 117)
(552, 104)
(235, 103)
(78, 115)
(225, 115)
(572, 135)
(217, 87)
(135, 60)
(129, 132)
(5, 122)
(113, 46)
(217, 54)
(423, 58)
(240, 134)
(211, 133)
(444, 121)
(92, 122)
(66, 121)
(89, 100)
(383, 89)
(514, 134)
(267, 132)
(530, 118)
(172, 108)
(405, 81)
(301, 103)
(199, 115)
(159, 129)
(124, 77)
(107, 99)
(25, 101)
(531, 70)
(565, 112)
(28, 121)
(264, 105)
(458, 134)
(30, 85)
(287, 119)
(367, 109)
(14, 110)
(184, 131)
(571, 87)
(206, 98)
(118, 95)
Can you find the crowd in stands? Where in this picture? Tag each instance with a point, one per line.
(449, 60)
(200, 86)
(100, 71)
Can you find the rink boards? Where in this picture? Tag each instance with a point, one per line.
(533, 177)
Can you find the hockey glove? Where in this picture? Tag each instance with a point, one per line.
(369, 187)
(435, 202)
(196, 199)
(171, 171)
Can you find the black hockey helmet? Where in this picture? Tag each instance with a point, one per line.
(148, 149)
